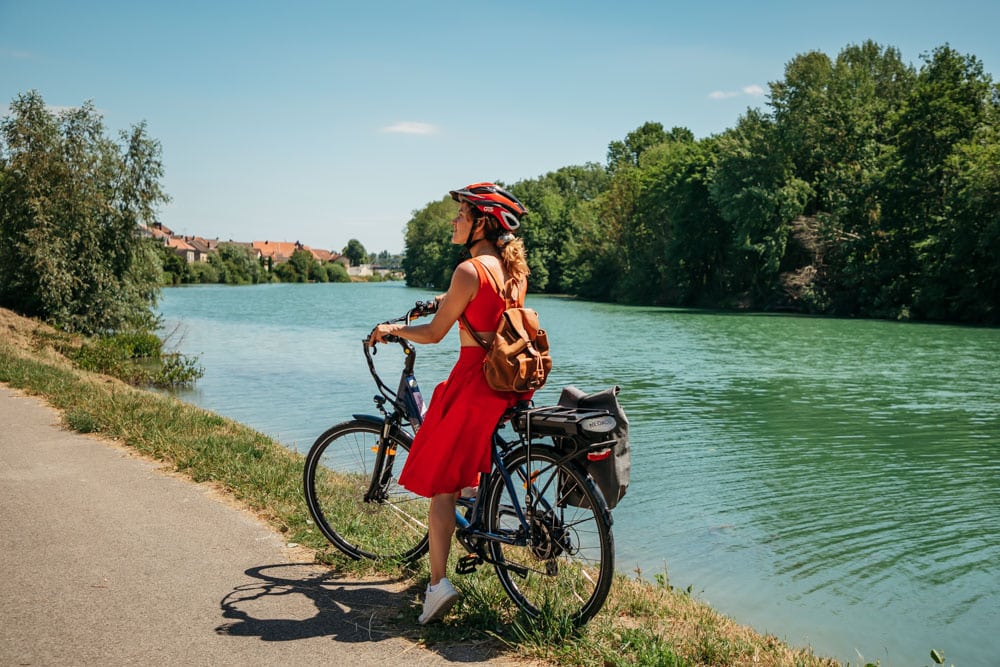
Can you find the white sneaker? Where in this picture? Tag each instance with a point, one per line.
(438, 602)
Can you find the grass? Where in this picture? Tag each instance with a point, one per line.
(642, 623)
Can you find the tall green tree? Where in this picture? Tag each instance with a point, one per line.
(949, 104)
(356, 252)
(72, 202)
(834, 121)
(628, 152)
(430, 257)
(688, 240)
(554, 202)
(756, 191)
(969, 278)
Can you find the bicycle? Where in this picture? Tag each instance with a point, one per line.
(537, 518)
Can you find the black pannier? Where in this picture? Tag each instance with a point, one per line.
(597, 423)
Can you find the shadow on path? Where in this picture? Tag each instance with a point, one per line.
(344, 609)
(295, 601)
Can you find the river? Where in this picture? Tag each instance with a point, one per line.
(834, 482)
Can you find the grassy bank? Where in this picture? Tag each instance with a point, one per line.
(643, 622)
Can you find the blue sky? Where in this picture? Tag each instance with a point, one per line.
(326, 121)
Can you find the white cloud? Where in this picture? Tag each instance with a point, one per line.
(753, 90)
(410, 127)
(17, 55)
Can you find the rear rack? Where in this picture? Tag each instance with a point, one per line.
(561, 421)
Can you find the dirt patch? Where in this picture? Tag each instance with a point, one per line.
(17, 330)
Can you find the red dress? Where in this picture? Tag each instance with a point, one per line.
(453, 444)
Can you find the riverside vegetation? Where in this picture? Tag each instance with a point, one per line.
(644, 622)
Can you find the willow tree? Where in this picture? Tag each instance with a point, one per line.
(72, 202)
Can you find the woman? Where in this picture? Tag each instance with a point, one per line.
(453, 445)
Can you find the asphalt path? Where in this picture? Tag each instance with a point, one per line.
(107, 559)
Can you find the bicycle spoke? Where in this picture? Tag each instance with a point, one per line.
(338, 475)
(567, 560)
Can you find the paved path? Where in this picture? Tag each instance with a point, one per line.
(106, 560)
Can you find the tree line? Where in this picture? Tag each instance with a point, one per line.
(235, 264)
(867, 187)
(72, 202)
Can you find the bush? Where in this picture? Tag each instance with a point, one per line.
(136, 358)
(336, 272)
(203, 272)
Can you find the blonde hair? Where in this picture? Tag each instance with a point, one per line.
(512, 252)
(515, 259)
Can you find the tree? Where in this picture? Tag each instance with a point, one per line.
(629, 152)
(950, 103)
(834, 122)
(971, 279)
(758, 194)
(430, 257)
(175, 269)
(301, 267)
(356, 252)
(551, 225)
(687, 240)
(238, 264)
(72, 202)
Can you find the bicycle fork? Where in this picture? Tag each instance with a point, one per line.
(385, 456)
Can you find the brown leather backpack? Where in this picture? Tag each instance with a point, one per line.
(518, 359)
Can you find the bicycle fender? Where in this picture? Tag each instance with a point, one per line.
(379, 421)
(372, 419)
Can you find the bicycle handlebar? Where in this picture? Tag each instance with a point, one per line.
(419, 309)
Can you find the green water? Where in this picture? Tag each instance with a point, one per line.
(833, 482)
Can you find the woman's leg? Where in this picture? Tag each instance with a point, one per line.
(441, 528)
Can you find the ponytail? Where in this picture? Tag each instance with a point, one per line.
(512, 252)
(515, 259)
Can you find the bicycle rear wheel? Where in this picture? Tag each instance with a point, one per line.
(339, 470)
(565, 566)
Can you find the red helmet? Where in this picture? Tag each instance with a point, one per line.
(491, 199)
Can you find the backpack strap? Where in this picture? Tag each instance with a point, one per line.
(500, 293)
(473, 333)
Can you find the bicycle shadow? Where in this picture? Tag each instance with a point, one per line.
(292, 601)
(296, 601)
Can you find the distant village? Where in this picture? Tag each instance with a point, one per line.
(270, 253)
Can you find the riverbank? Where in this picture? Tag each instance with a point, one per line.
(643, 622)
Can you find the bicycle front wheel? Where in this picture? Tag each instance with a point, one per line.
(340, 470)
(562, 562)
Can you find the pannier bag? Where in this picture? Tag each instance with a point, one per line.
(595, 424)
(518, 358)
(610, 472)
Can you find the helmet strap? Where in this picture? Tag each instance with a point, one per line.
(472, 232)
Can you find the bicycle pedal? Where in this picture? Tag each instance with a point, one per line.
(468, 564)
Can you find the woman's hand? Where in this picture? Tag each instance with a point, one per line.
(381, 331)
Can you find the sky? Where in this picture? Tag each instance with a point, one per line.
(325, 121)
